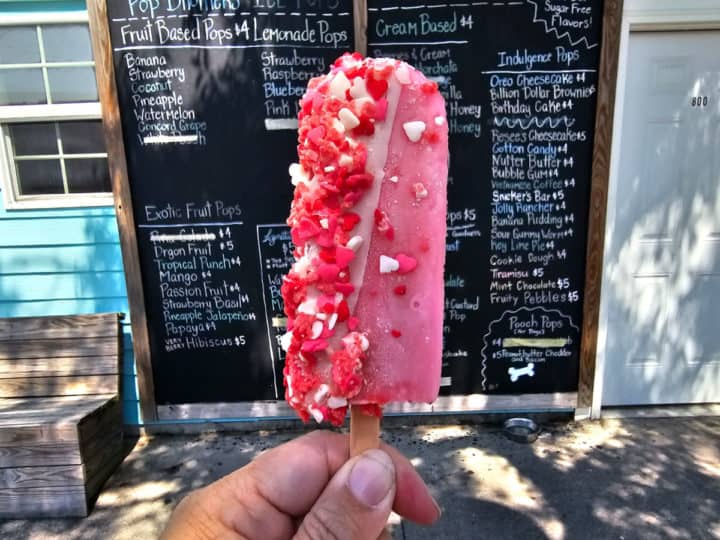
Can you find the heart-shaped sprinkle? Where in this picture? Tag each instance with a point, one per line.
(405, 263)
(376, 87)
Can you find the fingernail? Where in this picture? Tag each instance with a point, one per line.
(372, 477)
(437, 507)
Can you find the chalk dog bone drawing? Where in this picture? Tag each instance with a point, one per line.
(516, 373)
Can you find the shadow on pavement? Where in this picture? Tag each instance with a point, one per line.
(631, 479)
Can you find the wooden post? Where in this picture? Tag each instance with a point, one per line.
(360, 17)
(599, 181)
(105, 74)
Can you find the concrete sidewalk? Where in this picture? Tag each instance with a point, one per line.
(619, 479)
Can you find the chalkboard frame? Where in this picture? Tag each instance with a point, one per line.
(117, 162)
(599, 184)
(582, 399)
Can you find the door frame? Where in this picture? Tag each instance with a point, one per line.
(638, 16)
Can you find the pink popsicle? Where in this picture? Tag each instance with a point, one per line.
(365, 297)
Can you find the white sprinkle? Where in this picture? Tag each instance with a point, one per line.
(288, 380)
(301, 266)
(311, 250)
(285, 340)
(394, 179)
(324, 223)
(333, 321)
(380, 64)
(348, 119)
(364, 343)
(439, 120)
(338, 298)
(338, 125)
(402, 74)
(322, 392)
(359, 89)
(298, 174)
(388, 264)
(335, 402)
(317, 328)
(354, 243)
(420, 191)
(316, 414)
(329, 168)
(349, 62)
(414, 130)
(321, 316)
(339, 85)
(308, 307)
(345, 160)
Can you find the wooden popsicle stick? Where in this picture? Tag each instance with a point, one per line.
(364, 431)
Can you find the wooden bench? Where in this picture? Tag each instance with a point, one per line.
(60, 412)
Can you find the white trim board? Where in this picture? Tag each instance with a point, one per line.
(638, 16)
(51, 17)
(62, 111)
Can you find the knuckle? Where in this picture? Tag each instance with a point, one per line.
(323, 524)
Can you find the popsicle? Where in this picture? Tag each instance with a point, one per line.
(364, 299)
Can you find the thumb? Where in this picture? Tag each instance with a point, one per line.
(356, 503)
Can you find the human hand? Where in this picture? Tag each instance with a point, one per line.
(307, 489)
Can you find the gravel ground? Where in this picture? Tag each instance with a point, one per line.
(616, 479)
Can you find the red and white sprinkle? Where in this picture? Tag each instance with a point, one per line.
(325, 358)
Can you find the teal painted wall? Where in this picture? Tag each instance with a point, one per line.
(66, 261)
(35, 6)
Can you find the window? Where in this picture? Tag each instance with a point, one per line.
(51, 143)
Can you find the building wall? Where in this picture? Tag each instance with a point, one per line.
(66, 261)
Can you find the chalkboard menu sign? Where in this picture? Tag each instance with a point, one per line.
(208, 94)
(520, 79)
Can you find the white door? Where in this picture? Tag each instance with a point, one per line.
(662, 270)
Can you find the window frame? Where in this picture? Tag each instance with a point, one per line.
(10, 114)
